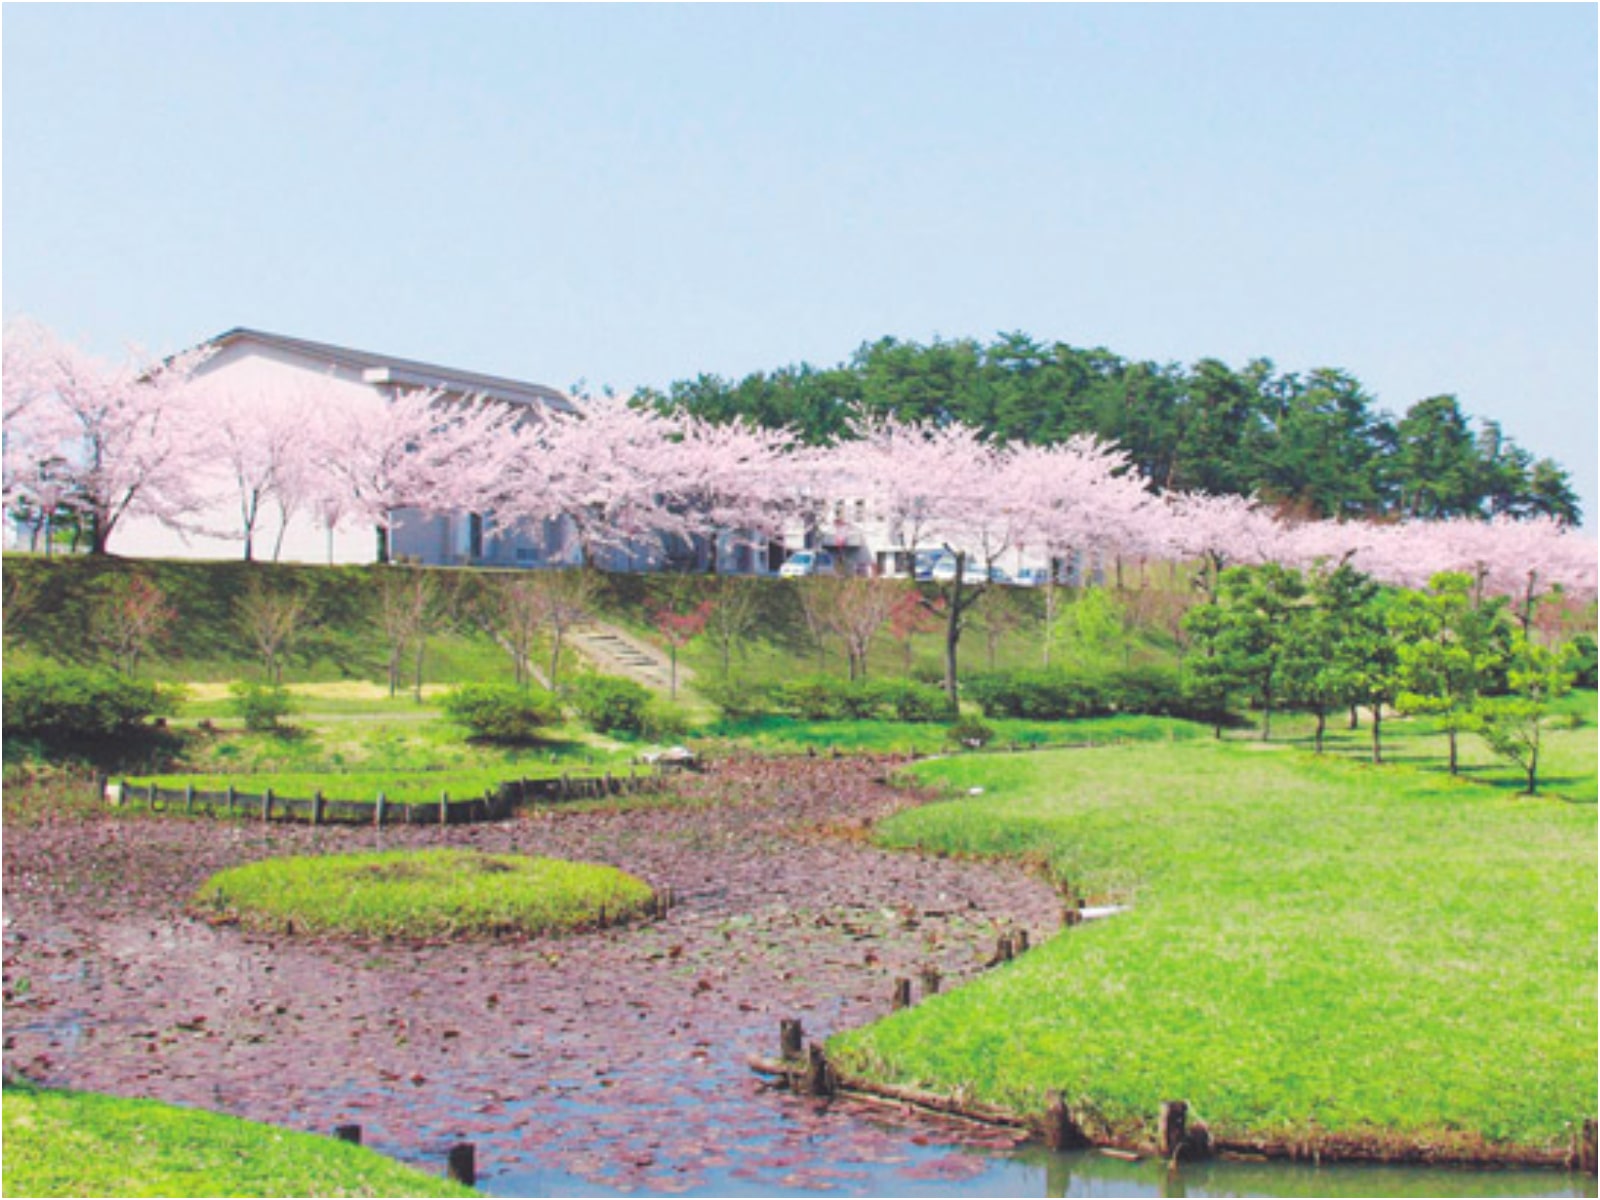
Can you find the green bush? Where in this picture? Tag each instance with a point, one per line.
(664, 722)
(610, 703)
(918, 702)
(501, 712)
(816, 698)
(1586, 661)
(738, 700)
(826, 698)
(1058, 695)
(75, 702)
(1150, 691)
(261, 706)
(970, 733)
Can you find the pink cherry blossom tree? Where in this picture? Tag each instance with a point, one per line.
(120, 439)
(731, 481)
(421, 450)
(259, 441)
(607, 469)
(1079, 499)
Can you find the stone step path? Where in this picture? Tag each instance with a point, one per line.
(616, 652)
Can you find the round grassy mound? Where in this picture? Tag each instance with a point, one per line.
(424, 893)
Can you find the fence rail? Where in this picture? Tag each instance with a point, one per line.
(495, 804)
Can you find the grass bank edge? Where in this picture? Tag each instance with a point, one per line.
(1054, 1014)
(68, 1143)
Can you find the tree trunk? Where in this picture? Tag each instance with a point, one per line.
(1322, 724)
(1453, 770)
(952, 637)
(1355, 717)
(422, 649)
(555, 656)
(1377, 731)
(1049, 612)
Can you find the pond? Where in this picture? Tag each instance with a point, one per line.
(610, 1063)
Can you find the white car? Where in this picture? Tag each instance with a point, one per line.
(807, 562)
(944, 571)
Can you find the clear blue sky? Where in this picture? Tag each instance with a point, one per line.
(631, 195)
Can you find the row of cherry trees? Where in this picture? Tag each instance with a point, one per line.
(105, 442)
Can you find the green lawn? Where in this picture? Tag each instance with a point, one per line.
(1315, 948)
(426, 893)
(61, 1143)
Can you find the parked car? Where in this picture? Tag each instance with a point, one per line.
(926, 559)
(944, 571)
(807, 562)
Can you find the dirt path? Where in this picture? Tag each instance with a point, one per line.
(614, 1058)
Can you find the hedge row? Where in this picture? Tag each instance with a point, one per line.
(1060, 695)
(827, 698)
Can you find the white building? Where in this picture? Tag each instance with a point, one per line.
(266, 364)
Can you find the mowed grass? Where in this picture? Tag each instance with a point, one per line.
(419, 894)
(1317, 949)
(63, 1143)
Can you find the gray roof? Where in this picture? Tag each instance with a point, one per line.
(402, 372)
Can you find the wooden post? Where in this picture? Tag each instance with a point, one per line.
(818, 1077)
(791, 1038)
(377, 815)
(266, 805)
(188, 798)
(151, 796)
(1020, 941)
(444, 808)
(232, 795)
(1061, 1132)
(463, 1165)
(1174, 1126)
(348, 1133)
(1004, 951)
(316, 807)
(902, 994)
(930, 982)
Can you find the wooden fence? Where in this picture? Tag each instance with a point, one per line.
(495, 804)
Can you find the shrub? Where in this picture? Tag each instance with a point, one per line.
(971, 733)
(737, 700)
(260, 705)
(1151, 691)
(862, 699)
(500, 712)
(1586, 661)
(75, 702)
(1058, 695)
(664, 722)
(818, 698)
(610, 703)
(915, 701)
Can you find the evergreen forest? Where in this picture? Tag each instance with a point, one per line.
(1312, 444)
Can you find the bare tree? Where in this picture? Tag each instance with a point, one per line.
(273, 621)
(733, 616)
(516, 612)
(129, 617)
(413, 605)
